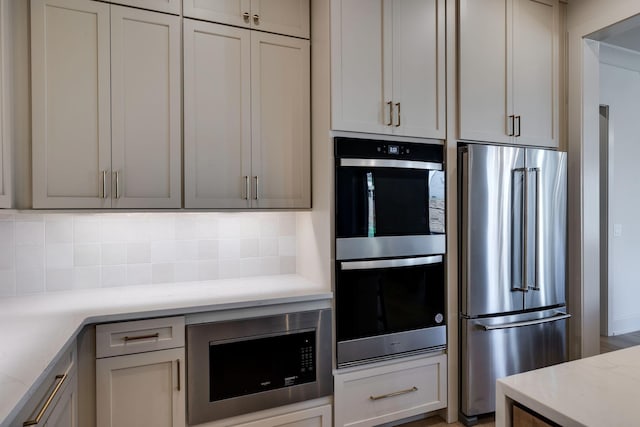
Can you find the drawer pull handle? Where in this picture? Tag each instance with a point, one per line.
(395, 393)
(142, 337)
(179, 381)
(36, 420)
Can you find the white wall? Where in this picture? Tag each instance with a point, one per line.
(585, 17)
(620, 89)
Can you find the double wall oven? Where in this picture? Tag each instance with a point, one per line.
(390, 247)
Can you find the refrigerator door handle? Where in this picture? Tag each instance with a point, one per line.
(554, 318)
(536, 271)
(523, 232)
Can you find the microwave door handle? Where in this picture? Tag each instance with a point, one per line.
(390, 263)
(390, 163)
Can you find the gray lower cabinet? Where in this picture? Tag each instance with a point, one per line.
(55, 402)
(140, 373)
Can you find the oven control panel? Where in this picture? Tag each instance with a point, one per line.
(375, 149)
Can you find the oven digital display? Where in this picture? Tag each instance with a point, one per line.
(394, 149)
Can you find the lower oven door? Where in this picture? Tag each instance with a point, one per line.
(241, 366)
(388, 307)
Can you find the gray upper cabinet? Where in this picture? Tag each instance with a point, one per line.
(106, 91)
(509, 71)
(287, 17)
(388, 67)
(246, 143)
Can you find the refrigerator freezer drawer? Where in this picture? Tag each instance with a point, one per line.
(496, 347)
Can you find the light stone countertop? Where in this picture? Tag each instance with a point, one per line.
(602, 390)
(34, 329)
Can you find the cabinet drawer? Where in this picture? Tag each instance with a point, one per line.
(116, 339)
(391, 392)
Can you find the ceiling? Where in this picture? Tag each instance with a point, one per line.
(625, 34)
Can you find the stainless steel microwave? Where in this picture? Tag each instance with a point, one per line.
(246, 365)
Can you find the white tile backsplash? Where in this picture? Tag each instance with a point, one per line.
(55, 252)
(59, 255)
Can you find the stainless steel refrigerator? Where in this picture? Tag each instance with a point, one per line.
(512, 266)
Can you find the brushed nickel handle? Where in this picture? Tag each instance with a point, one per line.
(179, 381)
(247, 188)
(510, 131)
(398, 105)
(246, 16)
(390, 104)
(525, 233)
(256, 196)
(104, 184)
(554, 318)
(536, 267)
(60, 378)
(117, 184)
(142, 337)
(256, 19)
(395, 393)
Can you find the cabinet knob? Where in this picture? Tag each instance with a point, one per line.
(256, 19)
(246, 16)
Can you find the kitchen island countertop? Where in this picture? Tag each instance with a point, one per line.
(34, 329)
(595, 391)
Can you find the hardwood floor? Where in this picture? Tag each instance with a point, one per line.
(618, 342)
(436, 421)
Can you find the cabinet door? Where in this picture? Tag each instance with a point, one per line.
(319, 416)
(6, 193)
(280, 116)
(145, 389)
(232, 12)
(358, 103)
(288, 17)
(166, 6)
(418, 67)
(64, 414)
(217, 115)
(71, 120)
(536, 71)
(146, 101)
(484, 75)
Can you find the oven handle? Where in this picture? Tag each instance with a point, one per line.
(391, 163)
(387, 263)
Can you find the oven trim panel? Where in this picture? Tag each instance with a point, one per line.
(363, 350)
(389, 246)
(199, 337)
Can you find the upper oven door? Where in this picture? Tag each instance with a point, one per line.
(386, 207)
